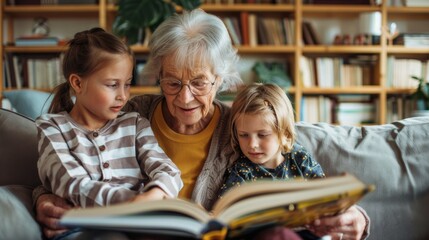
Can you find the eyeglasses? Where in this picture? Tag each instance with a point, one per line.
(198, 86)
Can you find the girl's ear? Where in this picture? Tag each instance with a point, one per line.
(76, 83)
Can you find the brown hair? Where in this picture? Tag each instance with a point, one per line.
(87, 52)
(271, 102)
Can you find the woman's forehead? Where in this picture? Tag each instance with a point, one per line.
(196, 65)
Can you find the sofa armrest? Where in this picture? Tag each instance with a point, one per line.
(18, 150)
(16, 207)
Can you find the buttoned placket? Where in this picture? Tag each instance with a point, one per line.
(100, 144)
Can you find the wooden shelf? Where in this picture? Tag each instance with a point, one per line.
(30, 11)
(144, 89)
(139, 49)
(407, 10)
(341, 49)
(400, 90)
(408, 50)
(214, 8)
(266, 49)
(314, 8)
(53, 49)
(345, 90)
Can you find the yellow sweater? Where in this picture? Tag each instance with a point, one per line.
(188, 152)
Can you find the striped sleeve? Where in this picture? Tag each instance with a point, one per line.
(65, 174)
(162, 172)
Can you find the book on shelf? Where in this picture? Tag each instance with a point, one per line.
(233, 28)
(240, 212)
(412, 39)
(355, 109)
(253, 32)
(244, 19)
(416, 3)
(36, 40)
(316, 109)
(34, 70)
(309, 34)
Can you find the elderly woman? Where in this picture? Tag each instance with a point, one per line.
(192, 58)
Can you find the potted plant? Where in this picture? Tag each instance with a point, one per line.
(135, 17)
(421, 97)
(272, 73)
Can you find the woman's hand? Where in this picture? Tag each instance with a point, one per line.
(154, 193)
(49, 209)
(348, 225)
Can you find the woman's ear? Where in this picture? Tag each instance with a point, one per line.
(76, 83)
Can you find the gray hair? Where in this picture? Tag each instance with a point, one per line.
(192, 36)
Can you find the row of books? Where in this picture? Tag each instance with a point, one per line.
(399, 107)
(354, 109)
(32, 71)
(254, 30)
(341, 109)
(400, 71)
(43, 71)
(337, 72)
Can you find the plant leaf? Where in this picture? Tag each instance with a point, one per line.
(140, 14)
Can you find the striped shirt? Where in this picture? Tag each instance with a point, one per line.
(99, 168)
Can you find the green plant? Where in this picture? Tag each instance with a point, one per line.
(272, 73)
(135, 16)
(421, 95)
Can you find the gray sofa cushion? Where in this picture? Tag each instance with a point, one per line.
(18, 148)
(16, 214)
(29, 102)
(394, 157)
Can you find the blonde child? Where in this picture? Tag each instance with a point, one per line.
(263, 134)
(90, 152)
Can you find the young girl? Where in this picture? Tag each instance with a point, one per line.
(90, 152)
(263, 133)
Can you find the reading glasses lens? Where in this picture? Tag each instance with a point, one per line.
(198, 87)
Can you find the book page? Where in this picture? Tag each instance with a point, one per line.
(252, 189)
(183, 207)
(148, 223)
(293, 209)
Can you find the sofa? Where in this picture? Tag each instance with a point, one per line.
(394, 157)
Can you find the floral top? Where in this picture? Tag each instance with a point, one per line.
(298, 163)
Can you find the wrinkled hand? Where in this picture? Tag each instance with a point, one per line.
(154, 193)
(349, 225)
(49, 209)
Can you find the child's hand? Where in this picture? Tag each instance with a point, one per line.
(154, 193)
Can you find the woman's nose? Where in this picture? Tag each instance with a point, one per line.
(185, 93)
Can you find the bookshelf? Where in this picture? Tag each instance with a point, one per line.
(377, 89)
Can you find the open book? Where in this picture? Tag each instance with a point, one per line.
(241, 211)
